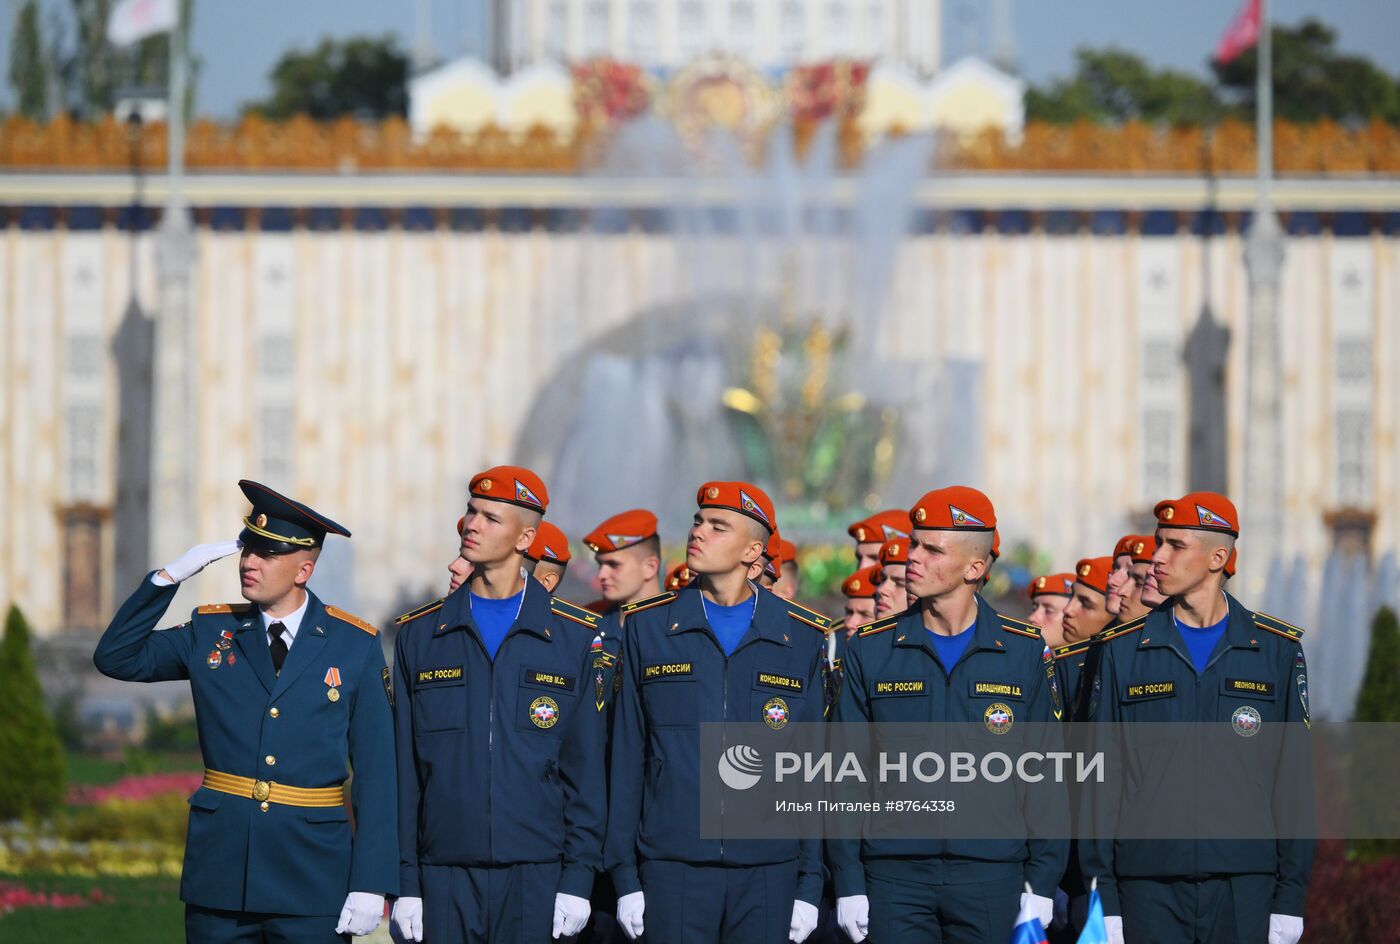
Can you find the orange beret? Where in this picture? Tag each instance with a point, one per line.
(881, 526)
(1093, 573)
(955, 508)
(1199, 511)
(511, 483)
(1230, 564)
(461, 525)
(741, 497)
(996, 544)
(895, 551)
(1051, 585)
(550, 545)
(1142, 547)
(787, 551)
(621, 530)
(678, 577)
(860, 585)
(1125, 545)
(772, 556)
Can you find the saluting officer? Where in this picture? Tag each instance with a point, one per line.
(1202, 658)
(719, 650)
(500, 746)
(956, 658)
(289, 693)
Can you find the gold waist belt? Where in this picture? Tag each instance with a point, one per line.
(272, 792)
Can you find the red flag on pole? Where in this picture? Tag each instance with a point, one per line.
(1242, 34)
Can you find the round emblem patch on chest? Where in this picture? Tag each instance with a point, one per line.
(998, 718)
(1246, 721)
(544, 712)
(775, 713)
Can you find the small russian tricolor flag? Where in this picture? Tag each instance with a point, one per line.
(1028, 929)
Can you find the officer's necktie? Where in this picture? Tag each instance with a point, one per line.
(278, 647)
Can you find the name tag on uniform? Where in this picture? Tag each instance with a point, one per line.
(1144, 691)
(1249, 687)
(548, 679)
(667, 670)
(997, 690)
(889, 687)
(451, 673)
(784, 683)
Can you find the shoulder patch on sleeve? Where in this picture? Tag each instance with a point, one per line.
(811, 617)
(879, 626)
(572, 611)
(1020, 628)
(237, 609)
(1275, 625)
(1131, 626)
(423, 610)
(649, 602)
(352, 619)
(1073, 649)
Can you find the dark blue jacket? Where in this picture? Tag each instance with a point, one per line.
(500, 761)
(677, 677)
(1145, 674)
(283, 728)
(1004, 652)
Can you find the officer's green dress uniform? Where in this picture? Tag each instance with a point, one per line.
(950, 890)
(270, 855)
(1218, 890)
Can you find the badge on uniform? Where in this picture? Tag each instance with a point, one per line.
(598, 699)
(998, 718)
(544, 712)
(775, 713)
(224, 640)
(332, 681)
(1246, 721)
(216, 658)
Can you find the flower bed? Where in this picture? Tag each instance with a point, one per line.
(14, 897)
(135, 789)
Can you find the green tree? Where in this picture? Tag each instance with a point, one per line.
(364, 77)
(31, 757)
(1313, 80)
(1379, 696)
(29, 72)
(1112, 86)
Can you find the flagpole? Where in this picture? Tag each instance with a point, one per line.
(1263, 258)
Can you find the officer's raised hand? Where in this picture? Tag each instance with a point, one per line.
(804, 921)
(570, 914)
(629, 914)
(361, 913)
(406, 920)
(196, 559)
(853, 915)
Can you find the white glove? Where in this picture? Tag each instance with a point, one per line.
(1042, 908)
(1285, 929)
(1113, 924)
(804, 921)
(570, 914)
(853, 916)
(361, 913)
(196, 559)
(407, 919)
(629, 914)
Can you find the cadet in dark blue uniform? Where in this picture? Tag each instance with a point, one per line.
(719, 650)
(1085, 617)
(500, 746)
(1202, 658)
(289, 694)
(957, 660)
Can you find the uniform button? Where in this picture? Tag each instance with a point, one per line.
(273, 712)
(270, 760)
(264, 806)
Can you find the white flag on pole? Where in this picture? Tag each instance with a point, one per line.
(134, 20)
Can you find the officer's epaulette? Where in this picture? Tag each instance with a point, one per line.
(572, 611)
(1020, 628)
(1113, 632)
(1275, 625)
(1073, 649)
(423, 610)
(811, 617)
(237, 609)
(878, 626)
(352, 619)
(649, 602)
